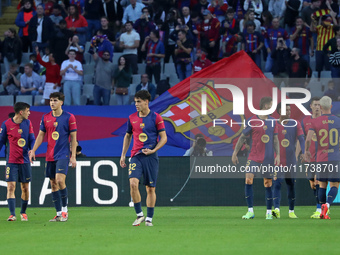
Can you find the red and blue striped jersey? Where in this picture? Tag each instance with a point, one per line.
(306, 125)
(288, 136)
(302, 41)
(261, 139)
(18, 139)
(145, 131)
(252, 41)
(327, 129)
(272, 36)
(58, 130)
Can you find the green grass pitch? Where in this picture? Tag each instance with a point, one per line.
(177, 230)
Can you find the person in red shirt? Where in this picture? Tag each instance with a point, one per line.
(210, 36)
(53, 77)
(77, 23)
(201, 61)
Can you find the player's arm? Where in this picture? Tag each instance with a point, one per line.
(3, 135)
(126, 145)
(159, 145)
(238, 146)
(73, 148)
(307, 145)
(297, 150)
(277, 150)
(38, 142)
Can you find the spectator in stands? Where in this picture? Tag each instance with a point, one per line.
(56, 16)
(35, 63)
(30, 82)
(47, 5)
(122, 76)
(53, 78)
(277, 8)
(133, 11)
(11, 49)
(155, 51)
(201, 61)
(255, 5)
(280, 66)
(210, 37)
(250, 15)
(103, 78)
(72, 71)
(218, 8)
(79, 4)
(143, 26)
(129, 42)
(332, 92)
(77, 24)
(334, 53)
(186, 16)
(168, 27)
(147, 85)
(104, 22)
(40, 29)
(101, 44)
(11, 81)
(93, 12)
(230, 23)
(229, 44)
(291, 12)
(183, 56)
(114, 11)
(22, 22)
(324, 33)
(201, 6)
(252, 43)
(309, 10)
(302, 39)
(60, 42)
(73, 44)
(271, 41)
(299, 72)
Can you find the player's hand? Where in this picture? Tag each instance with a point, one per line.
(122, 161)
(147, 151)
(73, 162)
(307, 156)
(31, 155)
(277, 160)
(234, 159)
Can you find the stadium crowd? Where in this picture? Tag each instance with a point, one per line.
(113, 44)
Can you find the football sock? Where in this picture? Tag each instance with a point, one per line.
(251, 209)
(149, 215)
(316, 192)
(11, 205)
(138, 209)
(332, 194)
(24, 204)
(291, 211)
(276, 193)
(63, 194)
(322, 195)
(64, 209)
(56, 200)
(249, 195)
(269, 198)
(269, 211)
(291, 193)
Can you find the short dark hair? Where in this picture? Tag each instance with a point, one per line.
(314, 99)
(58, 95)
(129, 22)
(29, 65)
(336, 28)
(144, 95)
(71, 50)
(264, 101)
(250, 23)
(183, 31)
(62, 22)
(20, 106)
(155, 32)
(198, 136)
(278, 108)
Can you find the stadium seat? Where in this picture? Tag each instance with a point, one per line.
(136, 78)
(25, 98)
(88, 78)
(87, 47)
(25, 58)
(325, 74)
(269, 75)
(6, 100)
(37, 100)
(83, 100)
(88, 69)
(173, 79)
(116, 56)
(132, 90)
(88, 91)
(88, 58)
(1, 88)
(113, 100)
(169, 68)
(141, 68)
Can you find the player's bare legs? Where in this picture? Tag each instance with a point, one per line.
(24, 200)
(326, 202)
(11, 200)
(136, 198)
(150, 203)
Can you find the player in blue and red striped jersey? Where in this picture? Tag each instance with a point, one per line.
(306, 124)
(145, 126)
(326, 128)
(252, 42)
(17, 135)
(59, 126)
(264, 141)
(289, 131)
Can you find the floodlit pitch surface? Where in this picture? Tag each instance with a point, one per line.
(177, 230)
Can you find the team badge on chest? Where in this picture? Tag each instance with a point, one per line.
(142, 125)
(20, 131)
(55, 124)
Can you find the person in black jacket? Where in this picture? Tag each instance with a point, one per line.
(334, 53)
(40, 29)
(280, 67)
(11, 49)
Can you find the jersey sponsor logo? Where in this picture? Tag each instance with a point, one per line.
(285, 143)
(265, 138)
(142, 125)
(21, 142)
(55, 124)
(20, 131)
(55, 135)
(143, 137)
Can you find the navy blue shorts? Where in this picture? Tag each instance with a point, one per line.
(327, 171)
(56, 167)
(18, 172)
(309, 170)
(147, 166)
(260, 169)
